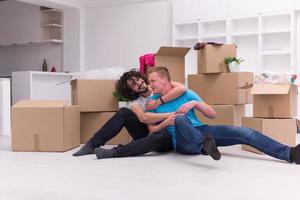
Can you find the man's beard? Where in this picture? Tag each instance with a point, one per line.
(143, 90)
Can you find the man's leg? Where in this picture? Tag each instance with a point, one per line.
(231, 135)
(189, 140)
(123, 118)
(160, 141)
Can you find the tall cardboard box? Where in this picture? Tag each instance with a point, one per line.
(210, 59)
(225, 115)
(222, 88)
(94, 95)
(173, 59)
(45, 125)
(274, 100)
(91, 122)
(282, 130)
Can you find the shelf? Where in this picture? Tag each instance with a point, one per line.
(213, 36)
(52, 41)
(244, 25)
(186, 23)
(275, 52)
(186, 30)
(51, 25)
(186, 39)
(244, 34)
(52, 10)
(210, 21)
(276, 31)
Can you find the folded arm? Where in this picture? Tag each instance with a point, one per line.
(148, 117)
(177, 90)
(203, 107)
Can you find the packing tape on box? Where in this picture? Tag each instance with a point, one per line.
(271, 111)
(36, 141)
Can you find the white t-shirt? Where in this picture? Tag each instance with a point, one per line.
(140, 101)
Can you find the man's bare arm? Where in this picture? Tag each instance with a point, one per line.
(177, 90)
(148, 117)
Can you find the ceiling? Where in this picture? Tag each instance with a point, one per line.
(83, 3)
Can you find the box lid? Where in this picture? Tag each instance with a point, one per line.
(172, 51)
(40, 103)
(270, 89)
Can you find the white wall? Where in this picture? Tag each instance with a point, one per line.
(72, 38)
(118, 35)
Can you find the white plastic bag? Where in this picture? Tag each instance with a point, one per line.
(108, 73)
(264, 78)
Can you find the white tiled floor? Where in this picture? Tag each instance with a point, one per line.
(238, 175)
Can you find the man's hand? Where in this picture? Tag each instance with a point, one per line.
(186, 107)
(170, 120)
(152, 104)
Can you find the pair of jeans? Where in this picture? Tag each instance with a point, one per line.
(123, 118)
(160, 142)
(141, 144)
(189, 138)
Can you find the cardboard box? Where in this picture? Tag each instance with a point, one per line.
(223, 88)
(274, 100)
(211, 58)
(226, 115)
(45, 125)
(282, 130)
(92, 122)
(173, 59)
(94, 95)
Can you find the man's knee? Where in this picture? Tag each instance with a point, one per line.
(181, 119)
(125, 112)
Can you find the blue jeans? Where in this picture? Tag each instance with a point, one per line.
(189, 138)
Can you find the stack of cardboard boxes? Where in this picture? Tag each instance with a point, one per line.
(274, 107)
(97, 106)
(226, 92)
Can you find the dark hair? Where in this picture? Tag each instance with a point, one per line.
(124, 89)
(163, 71)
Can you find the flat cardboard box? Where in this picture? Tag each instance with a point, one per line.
(173, 59)
(91, 122)
(226, 115)
(45, 125)
(274, 100)
(282, 130)
(94, 95)
(222, 88)
(210, 59)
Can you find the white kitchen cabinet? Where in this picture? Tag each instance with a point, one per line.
(40, 86)
(5, 106)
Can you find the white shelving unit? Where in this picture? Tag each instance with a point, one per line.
(277, 42)
(244, 32)
(40, 85)
(185, 34)
(213, 30)
(51, 25)
(266, 41)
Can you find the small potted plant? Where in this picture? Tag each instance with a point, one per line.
(123, 102)
(233, 63)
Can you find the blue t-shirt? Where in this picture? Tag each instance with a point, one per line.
(174, 105)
